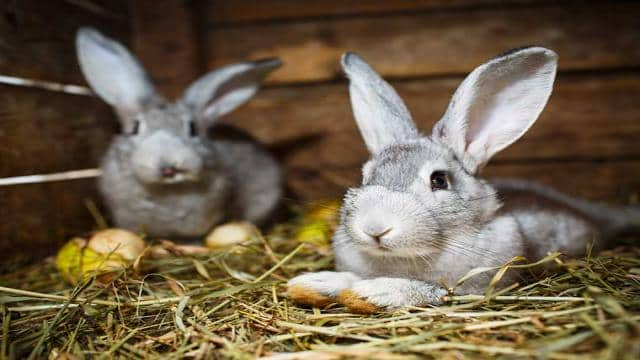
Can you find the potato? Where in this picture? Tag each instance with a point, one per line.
(229, 234)
(106, 251)
(124, 243)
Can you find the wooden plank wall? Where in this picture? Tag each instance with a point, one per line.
(586, 142)
(43, 131)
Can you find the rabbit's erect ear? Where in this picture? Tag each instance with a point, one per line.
(381, 115)
(497, 103)
(113, 72)
(223, 90)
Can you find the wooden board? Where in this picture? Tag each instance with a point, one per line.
(38, 219)
(37, 37)
(588, 116)
(615, 182)
(313, 130)
(47, 132)
(44, 132)
(609, 181)
(227, 12)
(602, 35)
(164, 39)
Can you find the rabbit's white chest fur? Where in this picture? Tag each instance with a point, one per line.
(387, 281)
(191, 210)
(529, 233)
(396, 281)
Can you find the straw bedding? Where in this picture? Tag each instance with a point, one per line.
(232, 304)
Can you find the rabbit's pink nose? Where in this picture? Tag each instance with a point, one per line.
(168, 171)
(377, 235)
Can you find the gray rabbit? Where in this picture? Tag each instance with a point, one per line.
(423, 218)
(164, 175)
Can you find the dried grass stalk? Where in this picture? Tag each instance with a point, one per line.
(232, 304)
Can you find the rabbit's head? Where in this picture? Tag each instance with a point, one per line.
(419, 193)
(166, 142)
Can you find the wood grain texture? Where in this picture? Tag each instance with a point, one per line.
(226, 12)
(48, 132)
(38, 219)
(164, 39)
(41, 131)
(601, 35)
(588, 116)
(609, 181)
(37, 37)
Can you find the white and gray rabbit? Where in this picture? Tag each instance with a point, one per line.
(422, 217)
(163, 175)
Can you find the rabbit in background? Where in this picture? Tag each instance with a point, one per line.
(422, 217)
(163, 175)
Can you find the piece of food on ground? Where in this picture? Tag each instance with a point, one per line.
(229, 234)
(319, 222)
(121, 242)
(106, 251)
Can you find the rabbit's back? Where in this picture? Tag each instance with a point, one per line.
(256, 178)
(553, 221)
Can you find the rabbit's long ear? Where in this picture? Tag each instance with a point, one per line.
(223, 90)
(497, 103)
(381, 115)
(113, 72)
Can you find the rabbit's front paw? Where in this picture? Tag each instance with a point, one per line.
(374, 295)
(320, 288)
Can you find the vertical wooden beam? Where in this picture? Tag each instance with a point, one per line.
(164, 38)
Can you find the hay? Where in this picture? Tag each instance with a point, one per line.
(231, 304)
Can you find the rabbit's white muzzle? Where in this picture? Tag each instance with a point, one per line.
(162, 158)
(386, 222)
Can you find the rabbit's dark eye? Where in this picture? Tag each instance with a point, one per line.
(439, 180)
(136, 128)
(193, 129)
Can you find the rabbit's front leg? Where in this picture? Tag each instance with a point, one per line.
(385, 293)
(319, 288)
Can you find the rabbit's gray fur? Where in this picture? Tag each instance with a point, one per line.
(428, 237)
(169, 178)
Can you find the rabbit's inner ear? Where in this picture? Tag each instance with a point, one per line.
(497, 103)
(222, 91)
(381, 115)
(113, 73)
